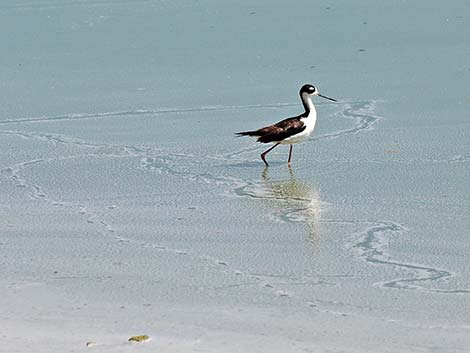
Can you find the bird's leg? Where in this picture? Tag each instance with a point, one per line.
(266, 152)
(290, 155)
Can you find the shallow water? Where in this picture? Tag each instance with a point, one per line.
(129, 207)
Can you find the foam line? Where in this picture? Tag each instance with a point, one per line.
(82, 116)
(372, 245)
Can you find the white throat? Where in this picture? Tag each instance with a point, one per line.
(308, 103)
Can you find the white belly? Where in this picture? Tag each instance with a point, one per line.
(309, 121)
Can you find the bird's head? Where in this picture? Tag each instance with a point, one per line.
(311, 90)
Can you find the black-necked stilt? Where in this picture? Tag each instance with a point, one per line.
(290, 130)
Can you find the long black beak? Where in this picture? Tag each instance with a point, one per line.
(331, 99)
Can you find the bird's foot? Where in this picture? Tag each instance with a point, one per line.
(264, 159)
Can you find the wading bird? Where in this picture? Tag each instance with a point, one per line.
(290, 130)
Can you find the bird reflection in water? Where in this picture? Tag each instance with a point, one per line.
(296, 201)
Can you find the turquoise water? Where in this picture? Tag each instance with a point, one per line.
(127, 204)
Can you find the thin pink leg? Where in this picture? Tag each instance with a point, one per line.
(265, 153)
(290, 155)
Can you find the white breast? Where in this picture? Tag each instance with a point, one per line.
(309, 122)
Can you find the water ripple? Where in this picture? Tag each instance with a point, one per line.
(371, 245)
(361, 112)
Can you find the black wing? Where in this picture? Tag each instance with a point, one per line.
(279, 131)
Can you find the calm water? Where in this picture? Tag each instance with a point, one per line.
(127, 204)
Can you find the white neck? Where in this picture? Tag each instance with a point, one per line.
(308, 103)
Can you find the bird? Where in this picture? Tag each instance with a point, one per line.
(291, 130)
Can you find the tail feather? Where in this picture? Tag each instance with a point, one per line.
(247, 133)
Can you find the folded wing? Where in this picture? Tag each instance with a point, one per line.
(277, 132)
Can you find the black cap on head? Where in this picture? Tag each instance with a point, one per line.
(310, 89)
